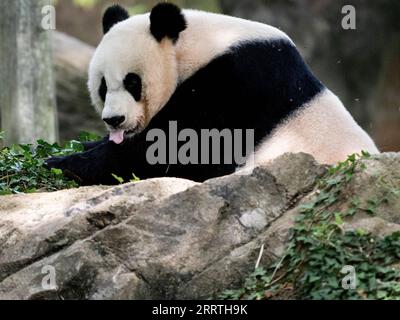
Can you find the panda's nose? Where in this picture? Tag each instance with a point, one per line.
(114, 121)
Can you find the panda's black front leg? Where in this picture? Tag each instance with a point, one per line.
(95, 166)
(93, 144)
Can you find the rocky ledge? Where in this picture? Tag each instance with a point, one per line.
(169, 238)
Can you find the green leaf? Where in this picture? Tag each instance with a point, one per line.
(135, 179)
(56, 172)
(338, 219)
(119, 179)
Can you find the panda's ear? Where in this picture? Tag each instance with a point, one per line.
(167, 20)
(112, 16)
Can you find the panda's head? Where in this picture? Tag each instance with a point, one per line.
(134, 71)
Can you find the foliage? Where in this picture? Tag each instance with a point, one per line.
(22, 170)
(319, 248)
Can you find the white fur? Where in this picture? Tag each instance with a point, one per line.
(323, 128)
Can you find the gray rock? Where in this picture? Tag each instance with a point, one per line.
(33, 226)
(167, 238)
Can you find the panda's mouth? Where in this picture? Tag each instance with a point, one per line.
(130, 133)
(120, 135)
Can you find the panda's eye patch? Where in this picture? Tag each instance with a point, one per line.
(133, 84)
(103, 89)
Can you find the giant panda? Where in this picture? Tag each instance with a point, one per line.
(205, 71)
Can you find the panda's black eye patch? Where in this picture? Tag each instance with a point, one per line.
(103, 89)
(133, 84)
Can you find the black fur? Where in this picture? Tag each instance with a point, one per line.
(112, 16)
(133, 84)
(103, 89)
(255, 85)
(93, 144)
(167, 20)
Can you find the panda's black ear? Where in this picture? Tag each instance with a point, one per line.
(167, 20)
(112, 16)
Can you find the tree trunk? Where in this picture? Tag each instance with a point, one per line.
(27, 98)
(385, 101)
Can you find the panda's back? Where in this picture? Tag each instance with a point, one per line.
(234, 27)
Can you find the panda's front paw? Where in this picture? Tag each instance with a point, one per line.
(64, 164)
(54, 162)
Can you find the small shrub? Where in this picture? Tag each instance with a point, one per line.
(22, 170)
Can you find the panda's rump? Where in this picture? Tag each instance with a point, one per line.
(322, 128)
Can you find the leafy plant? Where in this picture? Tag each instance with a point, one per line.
(319, 248)
(22, 166)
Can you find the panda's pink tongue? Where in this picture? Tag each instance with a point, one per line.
(117, 136)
